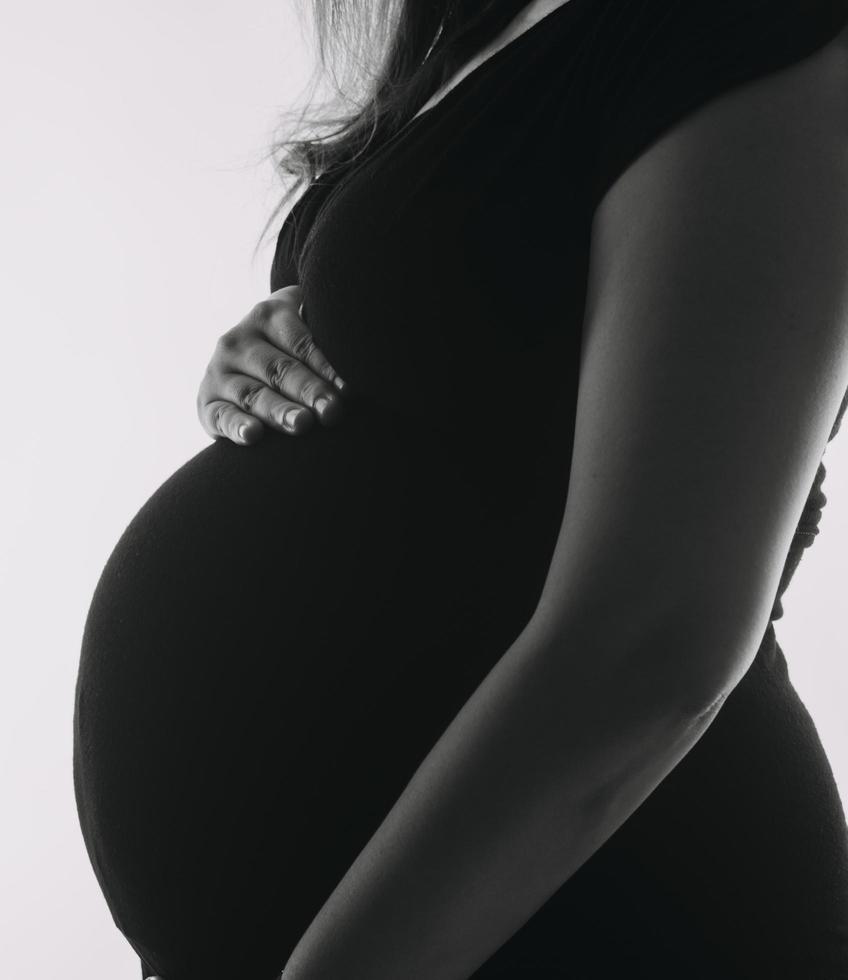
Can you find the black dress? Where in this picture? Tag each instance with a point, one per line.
(284, 631)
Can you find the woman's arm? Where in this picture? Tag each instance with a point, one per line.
(554, 750)
(715, 357)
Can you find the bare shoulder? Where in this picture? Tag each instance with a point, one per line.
(714, 361)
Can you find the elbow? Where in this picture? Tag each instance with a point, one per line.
(691, 664)
(682, 664)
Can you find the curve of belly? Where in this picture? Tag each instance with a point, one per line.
(282, 633)
(276, 641)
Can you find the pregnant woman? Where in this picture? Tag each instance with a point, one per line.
(477, 676)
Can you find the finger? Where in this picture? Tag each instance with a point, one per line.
(224, 419)
(258, 400)
(282, 414)
(291, 378)
(287, 331)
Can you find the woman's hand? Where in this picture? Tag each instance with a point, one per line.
(268, 369)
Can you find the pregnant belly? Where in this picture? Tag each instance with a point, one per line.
(278, 638)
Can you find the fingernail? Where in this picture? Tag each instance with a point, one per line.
(341, 385)
(242, 429)
(321, 405)
(291, 417)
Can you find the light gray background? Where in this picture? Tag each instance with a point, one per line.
(130, 206)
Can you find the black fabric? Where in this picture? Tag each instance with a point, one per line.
(283, 631)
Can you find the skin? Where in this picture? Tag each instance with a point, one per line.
(532, 13)
(268, 363)
(718, 314)
(267, 370)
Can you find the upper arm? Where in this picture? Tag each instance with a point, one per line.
(714, 360)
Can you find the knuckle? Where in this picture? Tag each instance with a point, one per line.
(264, 309)
(228, 343)
(277, 369)
(247, 394)
(218, 417)
(303, 346)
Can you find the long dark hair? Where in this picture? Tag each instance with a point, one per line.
(385, 58)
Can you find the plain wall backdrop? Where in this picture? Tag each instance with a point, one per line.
(131, 201)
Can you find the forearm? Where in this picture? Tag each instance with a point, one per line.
(550, 755)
